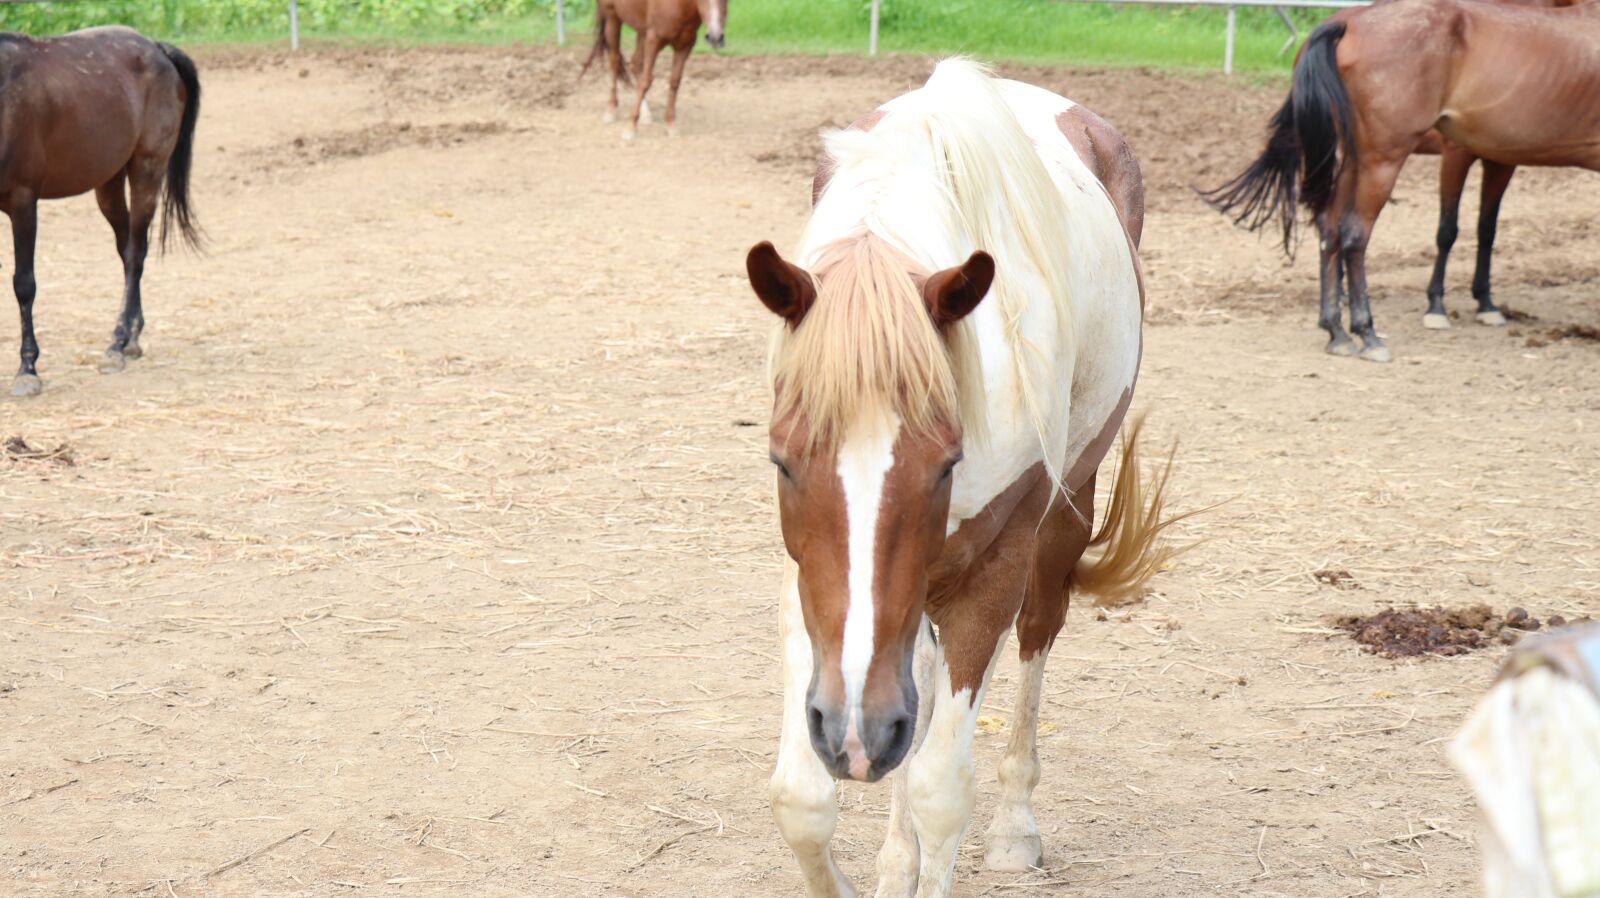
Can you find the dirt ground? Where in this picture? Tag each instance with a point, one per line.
(431, 550)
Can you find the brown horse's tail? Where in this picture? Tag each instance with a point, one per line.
(599, 50)
(1127, 552)
(1309, 140)
(176, 209)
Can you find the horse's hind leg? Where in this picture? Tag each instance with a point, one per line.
(144, 177)
(1454, 164)
(113, 200)
(1374, 184)
(24, 214)
(613, 27)
(1014, 844)
(1496, 178)
(1331, 279)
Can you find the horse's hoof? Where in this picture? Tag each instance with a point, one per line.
(629, 133)
(27, 385)
(609, 118)
(1436, 321)
(133, 351)
(1377, 353)
(672, 130)
(1341, 346)
(1492, 319)
(1014, 855)
(644, 113)
(113, 362)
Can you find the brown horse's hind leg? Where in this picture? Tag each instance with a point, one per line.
(649, 47)
(113, 200)
(613, 33)
(24, 214)
(1331, 277)
(144, 176)
(1454, 164)
(1013, 836)
(1374, 183)
(1496, 178)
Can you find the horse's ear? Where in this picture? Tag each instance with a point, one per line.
(785, 288)
(953, 293)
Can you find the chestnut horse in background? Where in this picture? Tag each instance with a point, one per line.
(960, 335)
(104, 109)
(659, 23)
(1454, 166)
(1515, 85)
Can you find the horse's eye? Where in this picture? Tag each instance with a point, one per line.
(950, 468)
(781, 468)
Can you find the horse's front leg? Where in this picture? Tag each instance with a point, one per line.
(941, 785)
(24, 228)
(802, 790)
(899, 860)
(649, 48)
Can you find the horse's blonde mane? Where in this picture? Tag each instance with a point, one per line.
(868, 342)
(869, 347)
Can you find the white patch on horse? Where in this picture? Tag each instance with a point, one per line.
(865, 456)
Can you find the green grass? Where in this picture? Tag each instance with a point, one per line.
(1025, 30)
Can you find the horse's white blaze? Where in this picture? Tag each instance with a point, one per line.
(714, 26)
(865, 456)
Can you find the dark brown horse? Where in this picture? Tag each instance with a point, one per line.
(659, 23)
(1513, 85)
(1454, 166)
(100, 109)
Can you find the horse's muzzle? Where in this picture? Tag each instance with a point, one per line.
(717, 41)
(877, 743)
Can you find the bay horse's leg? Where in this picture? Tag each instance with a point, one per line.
(24, 213)
(801, 789)
(1374, 184)
(145, 174)
(680, 59)
(113, 200)
(613, 26)
(1014, 844)
(1496, 178)
(899, 859)
(648, 50)
(1331, 280)
(1454, 163)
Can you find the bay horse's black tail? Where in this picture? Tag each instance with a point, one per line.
(175, 207)
(1309, 141)
(599, 50)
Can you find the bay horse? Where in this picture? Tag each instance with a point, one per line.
(103, 109)
(659, 23)
(1454, 165)
(959, 339)
(1514, 85)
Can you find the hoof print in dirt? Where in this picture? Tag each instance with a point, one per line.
(1409, 632)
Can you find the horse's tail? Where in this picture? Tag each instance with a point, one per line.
(1126, 552)
(175, 205)
(599, 49)
(1303, 144)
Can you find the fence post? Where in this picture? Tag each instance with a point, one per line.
(561, 22)
(1227, 54)
(872, 42)
(294, 24)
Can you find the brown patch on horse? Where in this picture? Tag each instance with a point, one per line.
(1102, 148)
(825, 164)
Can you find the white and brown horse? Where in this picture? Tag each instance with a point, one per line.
(960, 339)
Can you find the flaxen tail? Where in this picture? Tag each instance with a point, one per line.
(1127, 551)
(176, 210)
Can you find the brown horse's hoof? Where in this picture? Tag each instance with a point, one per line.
(672, 130)
(645, 117)
(1341, 346)
(629, 133)
(133, 351)
(1492, 319)
(609, 118)
(27, 385)
(1377, 353)
(113, 362)
(1436, 321)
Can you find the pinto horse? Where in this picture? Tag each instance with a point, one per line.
(1514, 85)
(937, 450)
(659, 23)
(108, 110)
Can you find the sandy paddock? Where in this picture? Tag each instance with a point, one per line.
(431, 550)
